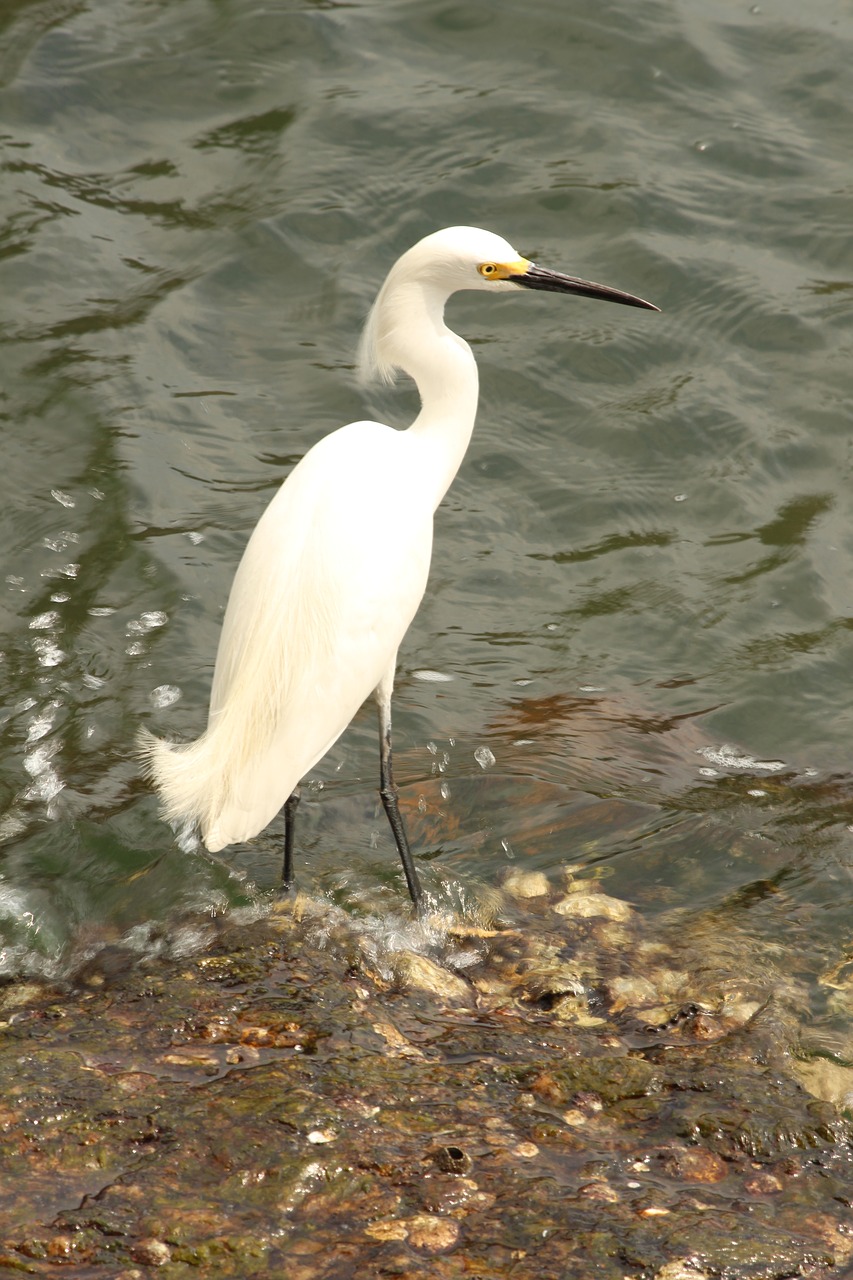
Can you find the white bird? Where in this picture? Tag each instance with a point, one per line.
(337, 565)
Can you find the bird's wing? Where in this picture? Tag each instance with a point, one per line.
(330, 580)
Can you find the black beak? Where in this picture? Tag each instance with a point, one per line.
(555, 282)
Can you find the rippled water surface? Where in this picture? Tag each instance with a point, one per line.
(640, 607)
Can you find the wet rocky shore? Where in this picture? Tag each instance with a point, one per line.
(547, 1088)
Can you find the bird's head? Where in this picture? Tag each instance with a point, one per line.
(453, 259)
(462, 258)
(470, 258)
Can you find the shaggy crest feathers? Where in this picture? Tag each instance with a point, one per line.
(376, 338)
(446, 260)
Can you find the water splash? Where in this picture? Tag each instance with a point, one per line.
(728, 757)
(165, 695)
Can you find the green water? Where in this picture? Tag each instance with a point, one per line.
(198, 202)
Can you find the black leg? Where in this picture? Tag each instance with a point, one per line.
(289, 823)
(388, 792)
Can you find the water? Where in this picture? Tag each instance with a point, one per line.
(649, 550)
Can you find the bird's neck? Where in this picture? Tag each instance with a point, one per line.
(445, 373)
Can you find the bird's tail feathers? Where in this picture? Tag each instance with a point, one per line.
(182, 773)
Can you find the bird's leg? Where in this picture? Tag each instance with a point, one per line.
(290, 806)
(388, 792)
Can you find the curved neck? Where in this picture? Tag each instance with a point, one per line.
(445, 373)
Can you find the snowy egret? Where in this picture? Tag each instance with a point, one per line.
(337, 565)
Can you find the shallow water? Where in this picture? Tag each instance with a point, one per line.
(647, 554)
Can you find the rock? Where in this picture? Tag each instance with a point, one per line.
(526, 884)
(417, 972)
(588, 902)
(431, 1234)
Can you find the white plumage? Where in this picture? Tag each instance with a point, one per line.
(337, 565)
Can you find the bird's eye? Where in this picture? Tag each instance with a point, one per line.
(488, 269)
